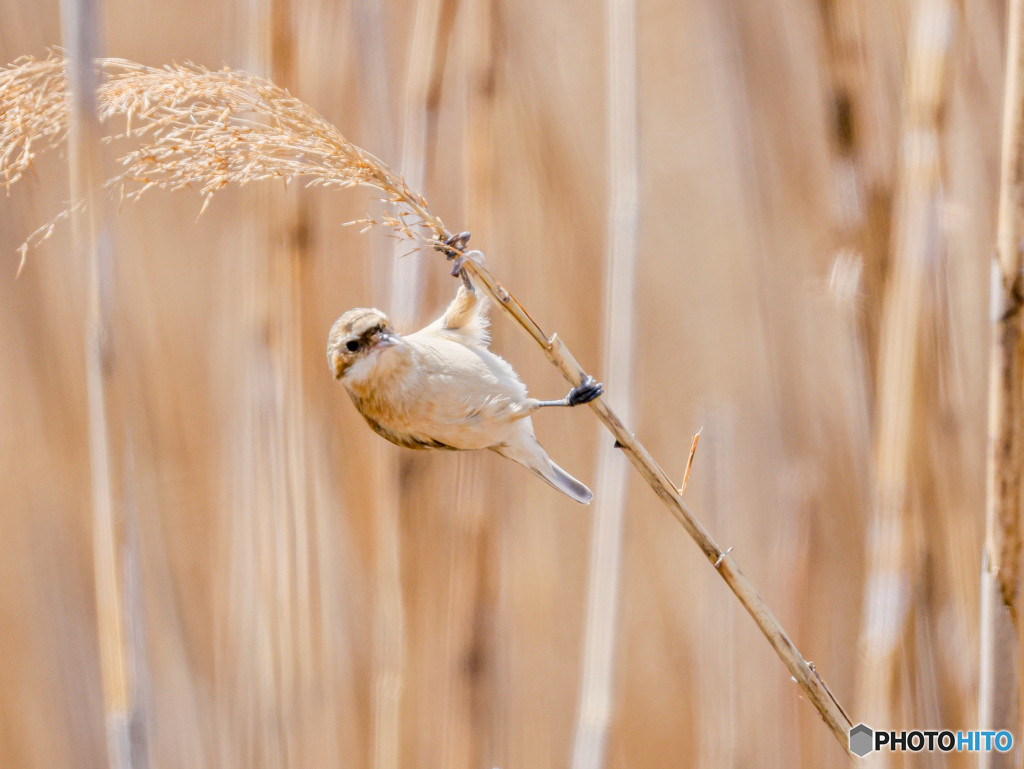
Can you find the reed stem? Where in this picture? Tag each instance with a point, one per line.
(999, 687)
(802, 671)
(81, 24)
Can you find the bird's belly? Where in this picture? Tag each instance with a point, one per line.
(427, 422)
(407, 440)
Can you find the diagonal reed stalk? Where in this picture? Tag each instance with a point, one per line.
(208, 129)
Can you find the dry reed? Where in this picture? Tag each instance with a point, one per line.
(894, 559)
(621, 257)
(92, 225)
(426, 57)
(208, 129)
(999, 690)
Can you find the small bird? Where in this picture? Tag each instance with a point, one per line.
(441, 388)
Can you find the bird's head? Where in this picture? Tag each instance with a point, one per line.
(359, 336)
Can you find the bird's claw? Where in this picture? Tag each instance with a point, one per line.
(584, 392)
(453, 245)
(454, 248)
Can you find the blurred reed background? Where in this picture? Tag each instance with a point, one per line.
(301, 594)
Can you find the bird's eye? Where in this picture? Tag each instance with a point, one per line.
(352, 345)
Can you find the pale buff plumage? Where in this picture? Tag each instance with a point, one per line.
(441, 387)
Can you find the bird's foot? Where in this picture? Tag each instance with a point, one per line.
(584, 392)
(454, 248)
(458, 270)
(453, 245)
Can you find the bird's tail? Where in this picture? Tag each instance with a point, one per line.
(530, 454)
(565, 483)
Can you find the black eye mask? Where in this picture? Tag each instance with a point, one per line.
(367, 338)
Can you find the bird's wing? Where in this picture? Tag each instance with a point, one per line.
(462, 396)
(465, 320)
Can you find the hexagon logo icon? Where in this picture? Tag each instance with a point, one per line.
(861, 739)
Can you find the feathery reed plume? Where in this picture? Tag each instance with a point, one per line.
(214, 128)
(206, 129)
(33, 112)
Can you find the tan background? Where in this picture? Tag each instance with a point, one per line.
(258, 500)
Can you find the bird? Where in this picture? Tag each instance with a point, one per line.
(442, 388)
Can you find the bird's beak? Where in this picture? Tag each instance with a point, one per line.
(385, 339)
